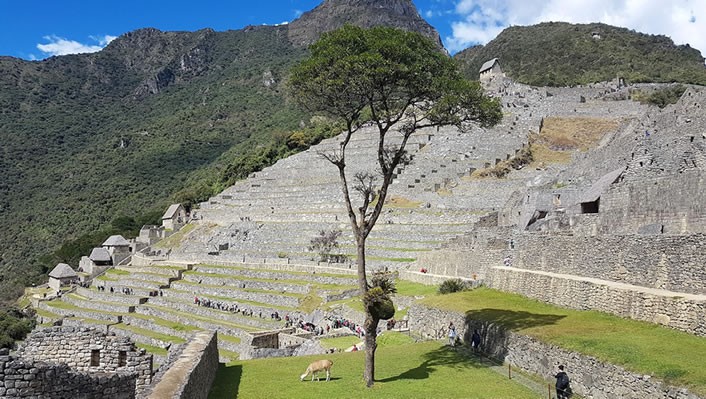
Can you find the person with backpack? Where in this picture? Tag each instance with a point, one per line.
(563, 390)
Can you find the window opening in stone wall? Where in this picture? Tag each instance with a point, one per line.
(95, 358)
(122, 359)
(590, 207)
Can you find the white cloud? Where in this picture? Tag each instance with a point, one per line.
(61, 46)
(480, 20)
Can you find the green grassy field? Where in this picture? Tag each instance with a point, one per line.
(423, 370)
(670, 355)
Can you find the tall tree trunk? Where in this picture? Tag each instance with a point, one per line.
(370, 347)
(370, 325)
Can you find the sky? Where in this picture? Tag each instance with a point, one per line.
(37, 29)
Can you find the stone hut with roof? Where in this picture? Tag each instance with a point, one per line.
(97, 262)
(61, 276)
(490, 69)
(174, 218)
(118, 247)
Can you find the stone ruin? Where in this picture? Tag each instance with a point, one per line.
(68, 362)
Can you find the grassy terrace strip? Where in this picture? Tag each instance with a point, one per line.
(149, 333)
(233, 356)
(83, 298)
(425, 370)
(229, 338)
(408, 288)
(670, 355)
(254, 290)
(276, 271)
(280, 281)
(204, 318)
(152, 349)
(165, 323)
(175, 238)
(228, 299)
(69, 306)
(88, 320)
(340, 342)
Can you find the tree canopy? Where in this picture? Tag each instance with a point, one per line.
(400, 82)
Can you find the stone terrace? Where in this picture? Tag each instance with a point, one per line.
(276, 212)
(156, 305)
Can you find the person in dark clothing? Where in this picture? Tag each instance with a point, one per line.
(563, 390)
(475, 341)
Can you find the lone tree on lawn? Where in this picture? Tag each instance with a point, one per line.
(391, 78)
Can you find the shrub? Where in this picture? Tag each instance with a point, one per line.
(451, 286)
(324, 243)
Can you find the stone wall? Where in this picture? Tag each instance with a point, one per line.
(89, 364)
(683, 312)
(192, 373)
(20, 378)
(674, 263)
(589, 376)
(675, 201)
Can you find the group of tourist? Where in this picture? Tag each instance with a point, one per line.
(226, 307)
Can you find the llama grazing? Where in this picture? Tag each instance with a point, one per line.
(315, 367)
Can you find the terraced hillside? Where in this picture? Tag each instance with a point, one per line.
(163, 305)
(274, 214)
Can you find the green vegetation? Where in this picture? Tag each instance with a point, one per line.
(662, 97)
(408, 288)
(563, 54)
(14, 325)
(86, 142)
(426, 370)
(152, 349)
(452, 285)
(670, 355)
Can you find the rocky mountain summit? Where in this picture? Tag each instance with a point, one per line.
(333, 14)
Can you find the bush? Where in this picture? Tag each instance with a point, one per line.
(325, 243)
(451, 286)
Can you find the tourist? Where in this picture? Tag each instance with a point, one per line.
(563, 390)
(475, 341)
(452, 334)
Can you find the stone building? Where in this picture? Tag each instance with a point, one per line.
(97, 262)
(174, 218)
(118, 248)
(490, 69)
(70, 362)
(61, 276)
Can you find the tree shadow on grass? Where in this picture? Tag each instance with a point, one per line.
(227, 382)
(493, 325)
(444, 356)
(510, 319)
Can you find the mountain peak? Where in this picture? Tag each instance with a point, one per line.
(333, 14)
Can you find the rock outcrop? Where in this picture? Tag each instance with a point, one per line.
(333, 14)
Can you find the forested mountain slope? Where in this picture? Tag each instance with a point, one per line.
(563, 54)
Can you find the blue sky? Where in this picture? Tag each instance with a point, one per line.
(33, 29)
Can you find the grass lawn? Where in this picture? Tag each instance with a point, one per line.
(424, 370)
(670, 355)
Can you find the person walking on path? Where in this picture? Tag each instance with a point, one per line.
(475, 341)
(452, 334)
(563, 390)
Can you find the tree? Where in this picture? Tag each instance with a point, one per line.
(391, 78)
